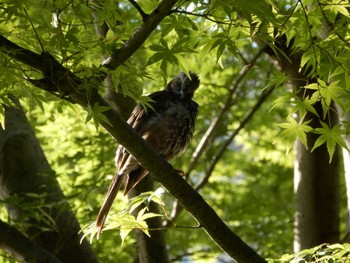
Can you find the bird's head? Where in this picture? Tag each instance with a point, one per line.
(184, 85)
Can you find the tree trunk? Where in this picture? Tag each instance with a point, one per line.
(316, 186)
(39, 206)
(345, 117)
(316, 181)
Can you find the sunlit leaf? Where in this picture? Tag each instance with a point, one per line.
(331, 137)
(293, 130)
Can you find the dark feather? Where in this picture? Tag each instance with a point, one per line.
(167, 127)
(108, 202)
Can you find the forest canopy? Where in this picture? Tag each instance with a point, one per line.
(265, 175)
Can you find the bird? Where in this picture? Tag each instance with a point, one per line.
(168, 126)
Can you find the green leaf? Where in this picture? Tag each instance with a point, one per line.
(157, 196)
(331, 136)
(293, 130)
(96, 114)
(219, 53)
(124, 232)
(282, 100)
(183, 64)
(142, 215)
(338, 8)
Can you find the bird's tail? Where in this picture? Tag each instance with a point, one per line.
(108, 202)
(133, 178)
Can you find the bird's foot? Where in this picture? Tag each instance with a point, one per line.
(180, 172)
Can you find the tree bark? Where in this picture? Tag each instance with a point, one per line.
(316, 186)
(345, 117)
(316, 181)
(60, 80)
(40, 209)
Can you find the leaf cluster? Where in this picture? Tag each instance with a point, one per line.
(334, 253)
(251, 183)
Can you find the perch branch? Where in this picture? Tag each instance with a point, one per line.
(192, 201)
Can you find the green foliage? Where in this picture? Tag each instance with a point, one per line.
(293, 130)
(335, 253)
(251, 184)
(96, 113)
(125, 221)
(330, 136)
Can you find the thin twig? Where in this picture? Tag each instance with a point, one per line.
(218, 119)
(139, 9)
(224, 146)
(212, 129)
(206, 16)
(37, 36)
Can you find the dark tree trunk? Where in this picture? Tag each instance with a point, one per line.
(316, 185)
(345, 117)
(316, 181)
(40, 209)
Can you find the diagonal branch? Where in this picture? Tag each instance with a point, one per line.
(20, 54)
(139, 9)
(140, 35)
(192, 201)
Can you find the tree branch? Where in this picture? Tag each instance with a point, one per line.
(67, 82)
(139, 9)
(20, 54)
(21, 248)
(140, 35)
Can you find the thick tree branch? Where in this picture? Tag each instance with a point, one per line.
(67, 83)
(57, 79)
(20, 54)
(140, 35)
(21, 248)
(167, 176)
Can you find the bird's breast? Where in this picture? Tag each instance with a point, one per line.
(170, 130)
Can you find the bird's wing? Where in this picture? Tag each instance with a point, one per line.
(137, 119)
(140, 120)
(140, 114)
